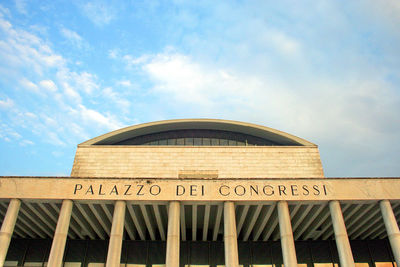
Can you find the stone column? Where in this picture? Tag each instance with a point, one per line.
(287, 241)
(117, 233)
(342, 240)
(230, 235)
(60, 236)
(7, 228)
(392, 229)
(173, 239)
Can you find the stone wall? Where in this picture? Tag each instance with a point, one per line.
(197, 162)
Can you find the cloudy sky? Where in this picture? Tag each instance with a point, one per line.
(326, 71)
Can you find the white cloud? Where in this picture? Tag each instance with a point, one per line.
(99, 12)
(113, 54)
(125, 83)
(6, 104)
(8, 134)
(63, 116)
(4, 11)
(19, 49)
(74, 38)
(48, 85)
(120, 102)
(132, 61)
(71, 93)
(96, 119)
(179, 77)
(282, 42)
(54, 139)
(322, 108)
(30, 115)
(29, 85)
(84, 81)
(26, 142)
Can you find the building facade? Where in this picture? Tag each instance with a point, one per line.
(199, 192)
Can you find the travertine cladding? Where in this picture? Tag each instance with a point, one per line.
(169, 162)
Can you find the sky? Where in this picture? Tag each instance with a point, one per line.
(326, 71)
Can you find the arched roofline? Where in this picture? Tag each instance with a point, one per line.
(210, 124)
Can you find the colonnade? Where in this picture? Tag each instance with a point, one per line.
(173, 234)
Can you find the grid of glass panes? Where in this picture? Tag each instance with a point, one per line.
(92, 253)
(198, 137)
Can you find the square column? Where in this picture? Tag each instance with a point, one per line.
(230, 235)
(117, 233)
(287, 241)
(342, 240)
(392, 229)
(7, 228)
(60, 236)
(173, 236)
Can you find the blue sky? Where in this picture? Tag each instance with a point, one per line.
(326, 71)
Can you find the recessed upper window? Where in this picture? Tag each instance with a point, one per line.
(197, 137)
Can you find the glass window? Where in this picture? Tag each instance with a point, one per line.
(206, 142)
(383, 264)
(189, 141)
(223, 142)
(180, 142)
(232, 142)
(37, 252)
(10, 263)
(171, 142)
(197, 141)
(72, 264)
(162, 142)
(215, 142)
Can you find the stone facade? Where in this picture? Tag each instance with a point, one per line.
(197, 162)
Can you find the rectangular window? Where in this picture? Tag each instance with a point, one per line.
(10, 263)
(197, 141)
(215, 142)
(383, 264)
(223, 142)
(72, 264)
(188, 141)
(171, 142)
(206, 142)
(232, 142)
(180, 142)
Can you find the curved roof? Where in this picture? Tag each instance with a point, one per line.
(279, 137)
